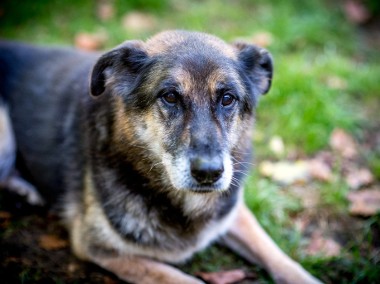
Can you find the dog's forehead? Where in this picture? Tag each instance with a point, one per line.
(187, 42)
(204, 81)
(197, 64)
(196, 61)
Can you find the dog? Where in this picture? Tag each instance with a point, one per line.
(144, 148)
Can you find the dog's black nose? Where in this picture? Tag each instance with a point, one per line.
(206, 171)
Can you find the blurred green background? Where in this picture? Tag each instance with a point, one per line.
(324, 71)
(327, 76)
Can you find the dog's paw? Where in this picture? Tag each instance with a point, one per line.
(23, 188)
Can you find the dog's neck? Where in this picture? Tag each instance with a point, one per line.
(126, 194)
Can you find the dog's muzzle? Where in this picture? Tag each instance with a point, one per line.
(206, 171)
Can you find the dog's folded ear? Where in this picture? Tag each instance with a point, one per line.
(257, 64)
(125, 60)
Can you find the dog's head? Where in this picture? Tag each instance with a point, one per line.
(187, 99)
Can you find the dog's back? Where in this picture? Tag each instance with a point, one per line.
(32, 83)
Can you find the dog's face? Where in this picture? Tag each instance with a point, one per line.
(188, 99)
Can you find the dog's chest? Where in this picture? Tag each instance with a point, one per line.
(146, 233)
(164, 222)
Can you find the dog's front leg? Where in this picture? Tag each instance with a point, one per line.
(248, 238)
(140, 270)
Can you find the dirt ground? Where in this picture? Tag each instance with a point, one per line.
(34, 248)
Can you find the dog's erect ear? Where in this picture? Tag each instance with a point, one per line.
(258, 64)
(126, 59)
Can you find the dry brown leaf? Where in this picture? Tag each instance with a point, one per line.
(320, 170)
(358, 178)
(343, 143)
(263, 39)
(322, 246)
(309, 196)
(105, 10)
(225, 277)
(139, 22)
(285, 172)
(52, 242)
(90, 42)
(356, 11)
(5, 215)
(364, 202)
(5, 219)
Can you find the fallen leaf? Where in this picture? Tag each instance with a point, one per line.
(90, 42)
(139, 22)
(276, 145)
(225, 277)
(5, 215)
(356, 11)
(309, 196)
(320, 170)
(52, 242)
(343, 143)
(263, 39)
(358, 178)
(364, 202)
(285, 172)
(105, 10)
(5, 219)
(323, 246)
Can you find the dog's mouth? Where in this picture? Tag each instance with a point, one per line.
(205, 189)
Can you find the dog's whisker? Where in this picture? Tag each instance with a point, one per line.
(240, 152)
(156, 164)
(243, 173)
(241, 162)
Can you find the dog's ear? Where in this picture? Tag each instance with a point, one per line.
(257, 63)
(126, 60)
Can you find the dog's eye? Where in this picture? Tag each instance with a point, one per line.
(170, 98)
(227, 100)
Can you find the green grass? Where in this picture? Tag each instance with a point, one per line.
(306, 109)
(271, 205)
(313, 47)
